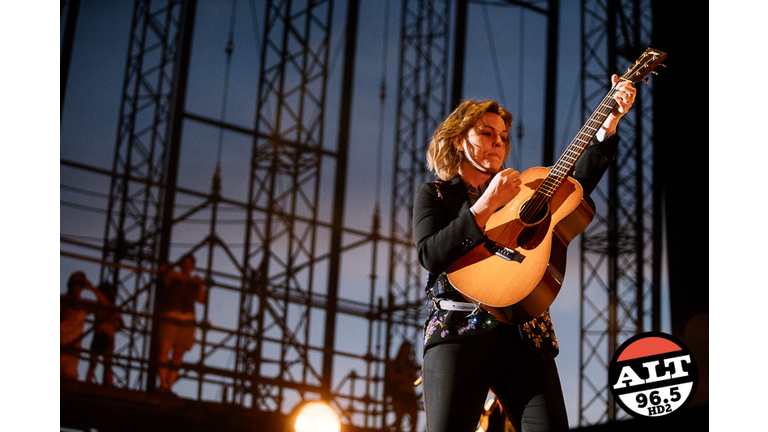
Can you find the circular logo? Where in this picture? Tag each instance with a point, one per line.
(652, 375)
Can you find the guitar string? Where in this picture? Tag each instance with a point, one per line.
(546, 190)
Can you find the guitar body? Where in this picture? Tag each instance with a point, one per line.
(517, 275)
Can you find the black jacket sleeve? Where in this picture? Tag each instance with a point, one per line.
(444, 228)
(594, 162)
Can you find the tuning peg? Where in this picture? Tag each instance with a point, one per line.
(646, 79)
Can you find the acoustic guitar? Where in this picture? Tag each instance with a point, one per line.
(517, 273)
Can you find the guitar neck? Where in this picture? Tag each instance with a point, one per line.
(574, 150)
(644, 65)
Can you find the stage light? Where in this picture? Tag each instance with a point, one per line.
(316, 416)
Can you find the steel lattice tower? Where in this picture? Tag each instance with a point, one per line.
(421, 105)
(620, 250)
(282, 226)
(142, 187)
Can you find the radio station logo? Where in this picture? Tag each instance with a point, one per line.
(652, 375)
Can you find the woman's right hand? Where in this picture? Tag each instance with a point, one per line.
(503, 188)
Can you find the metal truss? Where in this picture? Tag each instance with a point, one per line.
(134, 214)
(281, 293)
(619, 250)
(421, 105)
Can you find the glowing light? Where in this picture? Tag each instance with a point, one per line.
(317, 416)
(489, 403)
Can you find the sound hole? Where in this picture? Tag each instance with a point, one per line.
(533, 211)
(535, 217)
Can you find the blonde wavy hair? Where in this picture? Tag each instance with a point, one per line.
(443, 158)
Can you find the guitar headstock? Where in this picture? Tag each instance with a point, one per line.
(644, 65)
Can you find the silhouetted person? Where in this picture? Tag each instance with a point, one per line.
(399, 389)
(108, 322)
(72, 315)
(176, 301)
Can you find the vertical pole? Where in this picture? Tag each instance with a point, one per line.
(459, 49)
(66, 47)
(613, 222)
(176, 116)
(340, 191)
(553, 25)
(658, 183)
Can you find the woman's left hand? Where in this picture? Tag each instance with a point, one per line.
(624, 97)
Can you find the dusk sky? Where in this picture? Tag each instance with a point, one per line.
(88, 129)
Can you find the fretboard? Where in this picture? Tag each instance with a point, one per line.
(565, 163)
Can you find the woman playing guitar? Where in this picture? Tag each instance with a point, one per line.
(467, 349)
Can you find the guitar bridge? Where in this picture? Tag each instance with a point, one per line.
(504, 252)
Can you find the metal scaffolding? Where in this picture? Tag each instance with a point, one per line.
(266, 219)
(281, 238)
(282, 272)
(620, 250)
(143, 181)
(421, 104)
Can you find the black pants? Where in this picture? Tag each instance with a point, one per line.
(457, 376)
